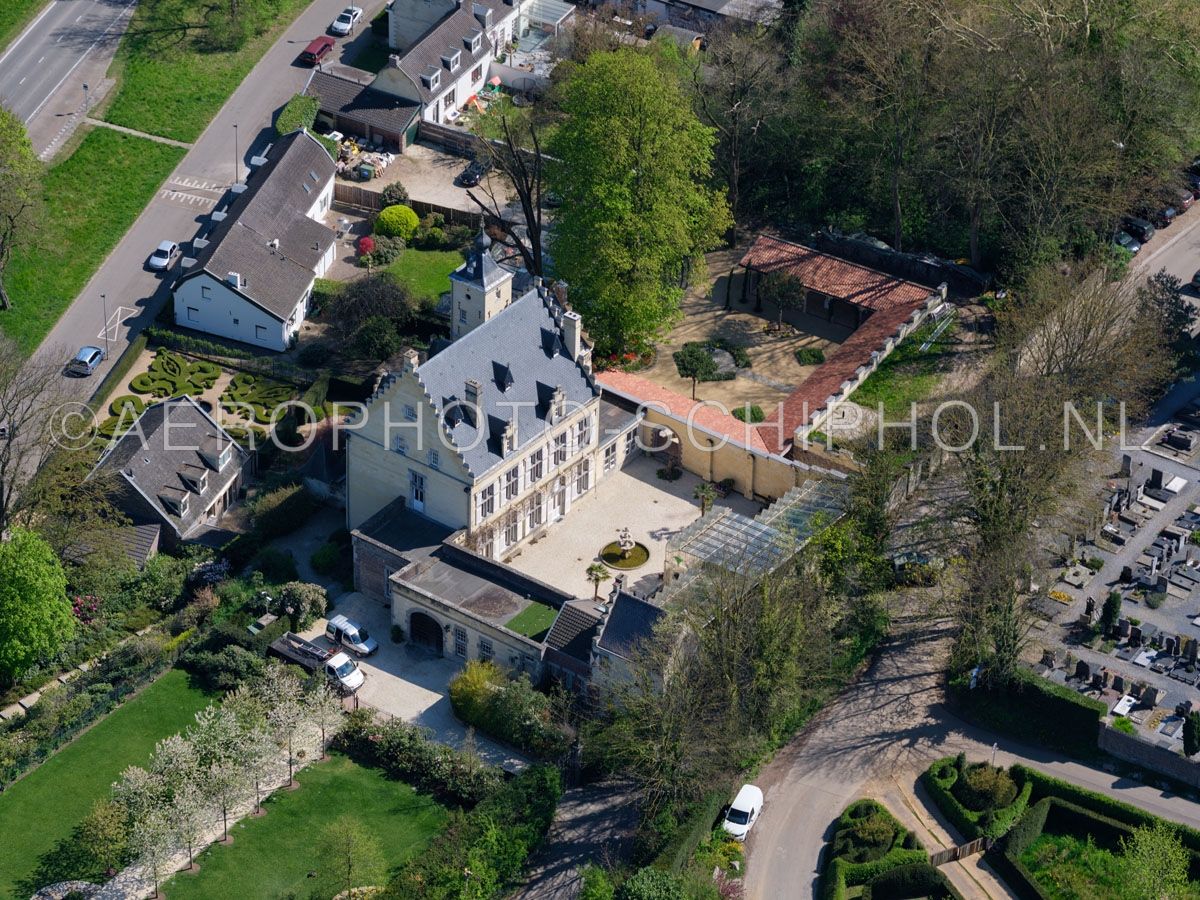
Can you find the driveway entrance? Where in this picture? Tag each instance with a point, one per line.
(424, 631)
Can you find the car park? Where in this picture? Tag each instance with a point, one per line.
(347, 633)
(86, 361)
(163, 255)
(474, 173)
(743, 812)
(1127, 241)
(346, 21)
(1138, 227)
(317, 50)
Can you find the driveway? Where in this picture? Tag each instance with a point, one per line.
(409, 683)
(883, 732)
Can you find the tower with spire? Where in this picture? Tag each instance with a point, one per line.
(480, 288)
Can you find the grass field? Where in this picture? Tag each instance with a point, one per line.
(14, 15)
(92, 197)
(907, 375)
(426, 272)
(170, 87)
(271, 856)
(533, 621)
(39, 813)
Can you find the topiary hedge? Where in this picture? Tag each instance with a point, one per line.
(909, 881)
(172, 375)
(397, 221)
(945, 783)
(851, 838)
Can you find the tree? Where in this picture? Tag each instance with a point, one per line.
(1156, 864)
(597, 573)
(1111, 611)
(190, 812)
(632, 165)
(35, 616)
(20, 193)
(782, 289)
(326, 712)
(352, 856)
(282, 696)
(706, 494)
(304, 602)
(1191, 734)
(153, 841)
(1163, 293)
(222, 757)
(104, 835)
(694, 362)
(366, 298)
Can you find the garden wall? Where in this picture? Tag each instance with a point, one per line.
(1150, 756)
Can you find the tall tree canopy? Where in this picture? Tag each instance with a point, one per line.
(35, 617)
(20, 191)
(633, 169)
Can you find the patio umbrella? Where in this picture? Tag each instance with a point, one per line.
(494, 81)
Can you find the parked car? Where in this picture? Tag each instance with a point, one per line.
(346, 20)
(339, 668)
(1192, 180)
(86, 361)
(349, 634)
(1160, 215)
(1195, 282)
(743, 811)
(1138, 227)
(1181, 199)
(163, 254)
(1127, 241)
(317, 50)
(474, 173)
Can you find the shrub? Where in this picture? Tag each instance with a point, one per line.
(508, 709)
(377, 339)
(394, 194)
(308, 602)
(755, 413)
(1123, 725)
(911, 880)
(651, 884)
(299, 112)
(276, 565)
(225, 669)
(323, 292)
(282, 510)
(327, 560)
(983, 787)
(810, 356)
(397, 221)
(386, 251)
(366, 245)
(595, 884)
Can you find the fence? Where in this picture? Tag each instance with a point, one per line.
(457, 140)
(364, 198)
(953, 854)
(1163, 760)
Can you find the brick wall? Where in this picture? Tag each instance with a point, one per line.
(1149, 756)
(371, 566)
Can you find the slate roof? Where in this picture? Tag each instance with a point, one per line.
(522, 347)
(630, 621)
(569, 643)
(481, 268)
(173, 433)
(273, 208)
(444, 38)
(830, 275)
(361, 102)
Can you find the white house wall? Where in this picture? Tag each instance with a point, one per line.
(204, 303)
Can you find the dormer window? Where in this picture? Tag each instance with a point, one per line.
(175, 500)
(223, 459)
(196, 478)
(432, 78)
(473, 41)
(451, 60)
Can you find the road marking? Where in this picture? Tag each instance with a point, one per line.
(114, 323)
(183, 197)
(59, 40)
(78, 17)
(24, 34)
(39, 62)
(128, 7)
(21, 82)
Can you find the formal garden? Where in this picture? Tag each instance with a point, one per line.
(1056, 841)
(873, 855)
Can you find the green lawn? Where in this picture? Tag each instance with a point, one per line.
(14, 15)
(426, 272)
(533, 621)
(39, 813)
(271, 856)
(92, 197)
(1072, 868)
(907, 375)
(170, 87)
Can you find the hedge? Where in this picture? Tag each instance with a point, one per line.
(1033, 710)
(299, 112)
(508, 709)
(939, 779)
(840, 873)
(908, 881)
(120, 369)
(695, 828)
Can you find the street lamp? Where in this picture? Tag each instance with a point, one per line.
(236, 164)
(104, 304)
(85, 99)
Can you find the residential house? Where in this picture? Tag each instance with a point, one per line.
(253, 272)
(176, 468)
(352, 103)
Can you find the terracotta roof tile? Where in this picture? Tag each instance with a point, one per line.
(839, 278)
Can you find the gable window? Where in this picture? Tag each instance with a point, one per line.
(205, 292)
(487, 501)
(535, 466)
(193, 314)
(410, 412)
(399, 444)
(462, 314)
(260, 332)
(560, 449)
(512, 483)
(434, 462)
(235, 321)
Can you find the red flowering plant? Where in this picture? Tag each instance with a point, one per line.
(86, 608)
(366, 244)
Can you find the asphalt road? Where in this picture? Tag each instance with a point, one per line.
(132, 294)
(52, 47)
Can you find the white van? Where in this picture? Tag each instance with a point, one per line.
(349, 634)
(743, 811)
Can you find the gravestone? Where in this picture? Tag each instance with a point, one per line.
(1083, 671)
(1138, 688)
(1089, 608)
(1098, 680)
(1180, 640)
(1190, 648)
(1069, 662)
(1171, 645)
(1048, 659)
(1118, 683)
(1135, 635)
(1152, 695)
(1123, 627)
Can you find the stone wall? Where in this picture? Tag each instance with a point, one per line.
(1149, 756)
(373, 564)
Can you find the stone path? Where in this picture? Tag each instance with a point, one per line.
(100, 123)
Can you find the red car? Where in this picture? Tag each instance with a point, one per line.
(316, 51)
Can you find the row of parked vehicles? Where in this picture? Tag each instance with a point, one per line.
(339, 668)
(1140, 226)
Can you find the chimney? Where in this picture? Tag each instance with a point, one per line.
(234, 279)
(411, 360)
(393, 61)
(510, 435)
(473, 394)
(560, 292)
(558, 405)
(573, 334)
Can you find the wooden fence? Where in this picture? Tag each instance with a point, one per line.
(953, 854)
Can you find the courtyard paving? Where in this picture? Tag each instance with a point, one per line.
(633, 497)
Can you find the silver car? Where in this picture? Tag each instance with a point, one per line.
(346, 20)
